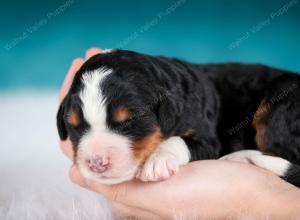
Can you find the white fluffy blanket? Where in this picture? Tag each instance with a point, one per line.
(34, 183)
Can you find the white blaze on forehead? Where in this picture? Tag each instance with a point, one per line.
(99, 140)
(93, 101)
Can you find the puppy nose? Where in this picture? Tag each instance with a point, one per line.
(97, 164)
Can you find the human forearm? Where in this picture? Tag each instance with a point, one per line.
(281, 201)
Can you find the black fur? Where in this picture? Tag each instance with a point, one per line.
(214, 103)
(60, 119)
(70, 103)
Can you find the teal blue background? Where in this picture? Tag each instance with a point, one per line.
(198, 31)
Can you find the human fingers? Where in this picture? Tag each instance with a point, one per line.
(76, 64)
(91, 52)
(67, 148)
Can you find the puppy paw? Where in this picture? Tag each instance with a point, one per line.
(165, 161)
(158, 167)
(243, 156)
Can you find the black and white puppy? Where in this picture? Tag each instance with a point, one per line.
(132, 115)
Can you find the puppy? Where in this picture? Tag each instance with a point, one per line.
(132, 115)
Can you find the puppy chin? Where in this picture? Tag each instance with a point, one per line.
(102, 179)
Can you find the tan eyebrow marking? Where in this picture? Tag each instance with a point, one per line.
(73, 118)
(121, 114)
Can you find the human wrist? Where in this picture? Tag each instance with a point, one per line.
(281, 201)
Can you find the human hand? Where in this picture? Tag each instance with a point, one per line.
(202, 189)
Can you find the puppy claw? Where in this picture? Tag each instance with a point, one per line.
(172, 166)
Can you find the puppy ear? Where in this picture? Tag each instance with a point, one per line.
(60, 122)
(168, 112)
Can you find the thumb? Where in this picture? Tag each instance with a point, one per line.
(76, 177)
(116, 192)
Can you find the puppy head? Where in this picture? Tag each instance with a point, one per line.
(111, 119)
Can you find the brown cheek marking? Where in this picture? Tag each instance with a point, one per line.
(121, 114)
(74, 119)
(260, 126)
(144, 147)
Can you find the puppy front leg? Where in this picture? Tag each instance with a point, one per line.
(165, 161)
